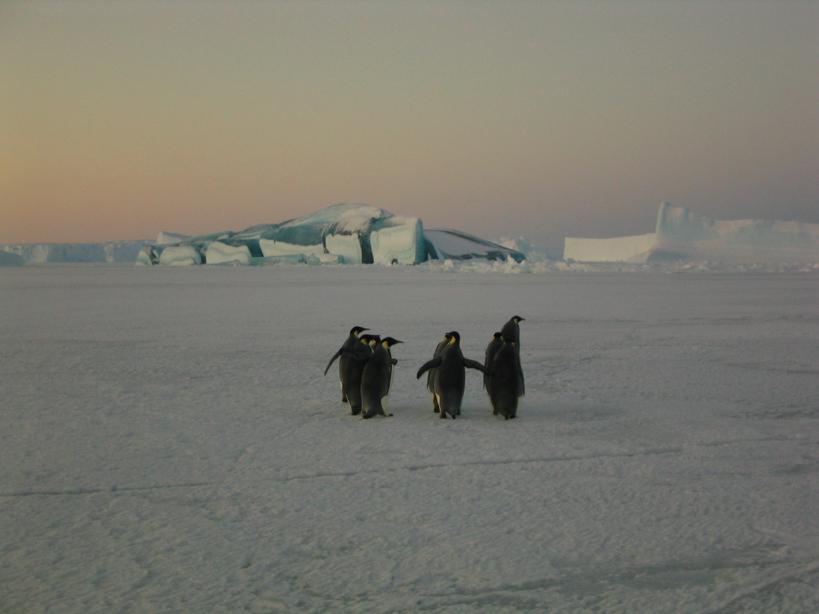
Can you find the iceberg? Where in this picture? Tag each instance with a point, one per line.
(42, 253)
(180, 255)
(447, 244)
(170, 238)
(681, 234)
(348, 247)
(10, 259)
(341, 233)
(398, 240)
(636, 248)
(222, 253)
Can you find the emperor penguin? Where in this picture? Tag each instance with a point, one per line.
(511, 331)
(353, 362)
(349, 345)
(503, 381)
(376, 377)
(431, 374)
(494, 345)
(450, 377)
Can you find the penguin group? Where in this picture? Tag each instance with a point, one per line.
(366, 364)
(365, 371)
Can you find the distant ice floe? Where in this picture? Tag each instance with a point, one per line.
(44, 253)
(682, 236)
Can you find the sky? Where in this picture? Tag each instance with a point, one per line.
(541, 119)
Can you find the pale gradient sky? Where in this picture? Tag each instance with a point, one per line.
(121, 119)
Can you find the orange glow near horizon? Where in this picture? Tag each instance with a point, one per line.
(121, 120)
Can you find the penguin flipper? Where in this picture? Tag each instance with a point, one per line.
(474, 364)
(431, 364)
(333, 359)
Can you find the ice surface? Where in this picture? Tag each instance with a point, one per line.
(170, 238)
(221, 253)
(399, 240)
(271, 247)
(10, 259)
(681, 234)
(346, 246)
(108, 251)
(684, 234)
(454, 244)
(180, 255)
(168, 443)
(617, 249)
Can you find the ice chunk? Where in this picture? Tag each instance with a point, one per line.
(180, 255)
(400, 240)
(346, 246)
(222, 253)
(10, 259)
(271, 247)
(618, 249)
(170, 238)
(147, 256)
(456, 245)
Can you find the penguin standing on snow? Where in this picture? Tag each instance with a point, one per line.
(431, 374)
(356, 360)
(504, 379)
(450, 377)
(350, 344)
(376, 378)
(511, 331)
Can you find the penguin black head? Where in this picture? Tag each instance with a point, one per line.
(496, 335)
(518, 319)
(367, 339)
(454, 337)
(374, 340)
(388, 342)
(357, 330)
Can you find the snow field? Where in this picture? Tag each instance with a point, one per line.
(169, 443)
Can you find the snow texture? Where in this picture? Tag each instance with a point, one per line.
(681, 234)
(168, 443)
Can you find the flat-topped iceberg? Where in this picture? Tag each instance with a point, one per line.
(681, 234)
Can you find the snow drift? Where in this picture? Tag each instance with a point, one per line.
(681, 234)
